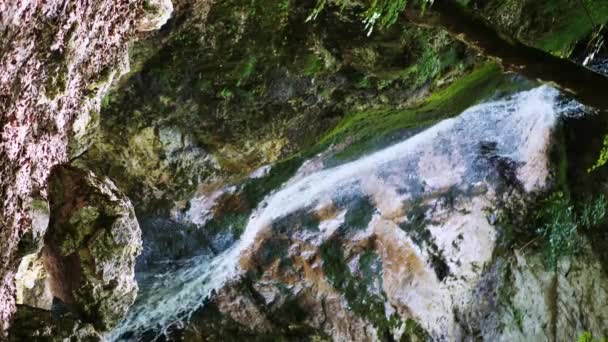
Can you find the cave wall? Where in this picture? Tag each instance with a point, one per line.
(57, 58)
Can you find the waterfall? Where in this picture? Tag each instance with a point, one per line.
(517, 128)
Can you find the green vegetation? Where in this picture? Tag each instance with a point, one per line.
(256, 189)
(375, 128)
(232, 221)
(572, 22)
(416, 228)
(603, 157)
(561, 223)
(359, 213)
(312, 65)
(569, 21)
(246, 70)
(588, 337)
(356, 289)
(431, 64)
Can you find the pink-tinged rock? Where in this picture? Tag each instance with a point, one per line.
(50, 54)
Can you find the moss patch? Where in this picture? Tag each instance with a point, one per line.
(570, 22)
(356, 288)
(373, 129)
(255, 189)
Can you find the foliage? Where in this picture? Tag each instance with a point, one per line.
(588, 337)
(561, 223)
(385, 12)
(603, 157)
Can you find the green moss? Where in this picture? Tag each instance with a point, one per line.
(588, 337)
(246, 70)
(431, 64)
(356, 289)
(299, 220)
(570, 22)
(255, 189)
(413, 332)
(372, 129)
(603, 157)
(312, 65)
(233, 222)
(416, 227)
(360, 212)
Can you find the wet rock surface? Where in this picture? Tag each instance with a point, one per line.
(91, 246)
(393, 244)
(31, 324)
(230, 86)
(57, 59)
(232, 135)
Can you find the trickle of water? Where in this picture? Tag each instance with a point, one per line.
(518, 128)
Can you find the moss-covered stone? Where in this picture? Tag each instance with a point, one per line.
(554, 26)
(253, 83)
(31, 324)
(90, 247)
(356, 289)
(375, 128)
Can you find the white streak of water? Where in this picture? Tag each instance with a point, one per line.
(518, 125)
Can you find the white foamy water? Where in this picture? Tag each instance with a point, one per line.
(447, 154)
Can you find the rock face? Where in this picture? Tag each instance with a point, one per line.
(391, 245)
(91, 246)
(56, 59)
(229, 86)
(405, 244)
(31, 324)
(358, 254)
(32, 282)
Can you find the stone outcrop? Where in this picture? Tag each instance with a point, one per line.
(57, 58)
(393, 245)
(32, 283)
(229, 86)
(32, 324)
(91, 246)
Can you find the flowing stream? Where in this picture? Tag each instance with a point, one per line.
(517, 128)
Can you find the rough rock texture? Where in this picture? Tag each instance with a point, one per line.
(51, 53)
(91, 246)
(392, 245)
(56, 60)
(556, 26)
(32, 283)
(31, 324)
(228, 86)
(521, 299)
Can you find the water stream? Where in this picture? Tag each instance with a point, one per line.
(517, 128)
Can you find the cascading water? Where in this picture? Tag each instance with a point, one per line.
(518, 129)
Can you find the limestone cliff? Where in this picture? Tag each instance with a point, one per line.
(57, 59)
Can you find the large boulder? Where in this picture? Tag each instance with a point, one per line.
(91, 246)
